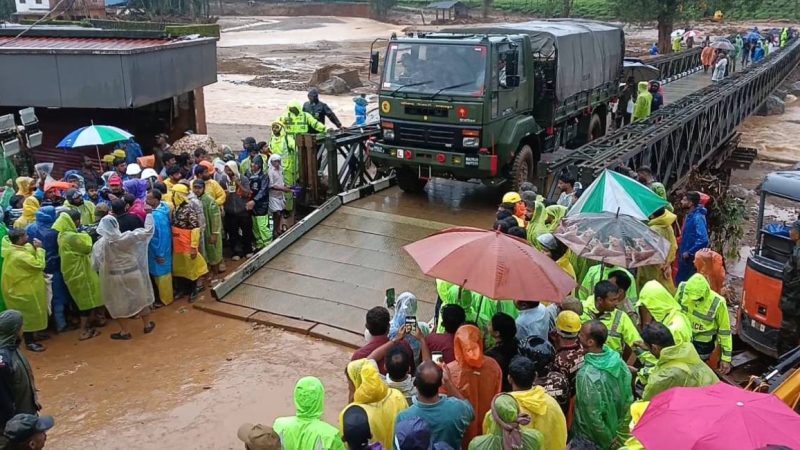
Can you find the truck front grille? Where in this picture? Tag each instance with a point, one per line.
(429, 136)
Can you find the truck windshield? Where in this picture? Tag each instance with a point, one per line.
(453, 69)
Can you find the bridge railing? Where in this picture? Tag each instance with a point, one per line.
(691, 132)
(676, 65)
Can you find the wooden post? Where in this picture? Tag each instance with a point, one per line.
(200, 111)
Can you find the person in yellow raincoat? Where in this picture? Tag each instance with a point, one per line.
(29, 208)
(25, 186)
(661, 222)
(638, 409)
(188, 264)
(381, 403)
(553, 216)
(545, 412)
(23, 284)
(657, 304)
(504, 428)
(557, 251)
(284, 145)
(536, 225)
(83, 283)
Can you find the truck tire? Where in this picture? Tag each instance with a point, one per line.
(409, 181)
(523, 168)
(595, 130)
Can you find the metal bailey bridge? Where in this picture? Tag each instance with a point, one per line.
(321, 276)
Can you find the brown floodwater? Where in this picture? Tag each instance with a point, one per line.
(189, 385)
(775, 136)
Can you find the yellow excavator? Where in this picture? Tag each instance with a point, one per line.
(781, 380)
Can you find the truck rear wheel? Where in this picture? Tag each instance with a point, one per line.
(596, 129)
(523, 169)
(409, 181)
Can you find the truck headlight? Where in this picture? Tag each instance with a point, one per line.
(470, 142)
(388, 134)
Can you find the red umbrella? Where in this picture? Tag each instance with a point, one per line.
(492, 264)
(717, 417)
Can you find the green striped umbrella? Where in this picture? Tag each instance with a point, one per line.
(615, 193)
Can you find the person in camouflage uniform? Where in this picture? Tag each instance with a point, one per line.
(569, 354)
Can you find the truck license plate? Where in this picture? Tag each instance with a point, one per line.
(755, 324)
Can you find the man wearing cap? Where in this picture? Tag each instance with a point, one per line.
(512, 202)
(74, 200)
(133, 170)
(320, 110)
(569, 355)
(789, 336)
(27, 431)
(259, 437)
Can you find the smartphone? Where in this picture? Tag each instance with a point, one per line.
(411, 324)
(390, 298)
(437, 358)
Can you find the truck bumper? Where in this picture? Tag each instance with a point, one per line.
(435, 163)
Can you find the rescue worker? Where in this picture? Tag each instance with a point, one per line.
(678, 365)
(75, 249)
(784, 37)
(676, 43)
(23, 284)
(76, 201)
(656, 304)
(694, 235)
(306, 430)
(281, 144)
(621, 329)
(603, 391)
(661, 222)
(598, 273)
(644, 102)
(536, 226)
(514, 204)
(569, 355)
(296, 121)
(708, 313)
(789, 336)
(320, 110)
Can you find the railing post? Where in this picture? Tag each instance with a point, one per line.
(333, 166)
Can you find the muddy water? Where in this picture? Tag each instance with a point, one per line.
(189, 385)
(775, 136)
(303, 30)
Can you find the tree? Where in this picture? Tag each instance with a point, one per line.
(486, 5)
(665, 13)
(566, 8)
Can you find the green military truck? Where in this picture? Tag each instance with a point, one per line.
(488, 103)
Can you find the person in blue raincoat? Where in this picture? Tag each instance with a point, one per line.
(694, 235)
(43, 231)
(133, 150)
(159, 250)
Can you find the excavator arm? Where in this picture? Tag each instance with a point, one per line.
(782, 379)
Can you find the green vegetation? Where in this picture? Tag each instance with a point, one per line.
(6, 9)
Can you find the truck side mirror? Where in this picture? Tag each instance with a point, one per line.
(374, 61)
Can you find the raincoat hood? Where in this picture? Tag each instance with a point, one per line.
(657, 299)
(29, 208)
(608, 361)
(697, 288)
(682, 353)
(136, 187)
(536, 226)
(109, 228)
(10, 324)
(533, 400)
(372, 388)
(557, 212)
(406, 306)
(507, 410)
(643, 87)
(468, 346)
(64, 223)
(45, 216)
(664, 220)
(413, 433)
(278, 124)
(309, 398)
(294, 104)
(706, 261)
(24, 186)
(234, 168)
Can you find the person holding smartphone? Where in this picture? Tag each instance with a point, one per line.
(398, 362)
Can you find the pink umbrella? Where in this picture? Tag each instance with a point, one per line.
(717, 417)
(492, 264)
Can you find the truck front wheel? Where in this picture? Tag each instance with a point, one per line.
(523, 169)
(409, 181)
(596, 129)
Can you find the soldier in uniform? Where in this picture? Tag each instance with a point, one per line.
(569, 354)
(790, 297)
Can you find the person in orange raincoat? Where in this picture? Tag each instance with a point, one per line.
(707, 57)
(709, 263)
(478, 377)
(188, 264)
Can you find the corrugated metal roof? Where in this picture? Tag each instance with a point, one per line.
(80, 44)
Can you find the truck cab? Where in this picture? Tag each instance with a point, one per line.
(485, 104)
(760, 315)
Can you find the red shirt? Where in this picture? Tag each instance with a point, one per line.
(376, 342)
(442, 343)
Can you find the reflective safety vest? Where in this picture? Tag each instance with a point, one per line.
(300, 123)
(709, 319)
(621, 330)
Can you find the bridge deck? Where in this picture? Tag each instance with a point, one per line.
(680, 88)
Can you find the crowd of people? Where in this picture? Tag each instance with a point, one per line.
(487, 374)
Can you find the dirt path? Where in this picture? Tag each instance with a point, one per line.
(189, 385)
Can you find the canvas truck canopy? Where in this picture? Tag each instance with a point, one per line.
(589, 54)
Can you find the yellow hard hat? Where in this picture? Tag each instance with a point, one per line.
(108, 158)
(511, 197)
(119, 153)
(568, 322)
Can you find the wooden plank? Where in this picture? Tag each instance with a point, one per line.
(358, 239)
(383, 226)
(337, 335)
(275, 248)
(402, 220)
(286, 323)
(225, 309)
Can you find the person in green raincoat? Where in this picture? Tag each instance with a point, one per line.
(83, 283)
(284, 145)
(678, 365)
(536, 224)
(305, 430)
(3, 233)
(657, 304)
(212, 235)
(23, 284)
(505, 425)
(450, 293)
(603, 391)
(553, 216)
(644, 101)
(593, 276)
(8, 192)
